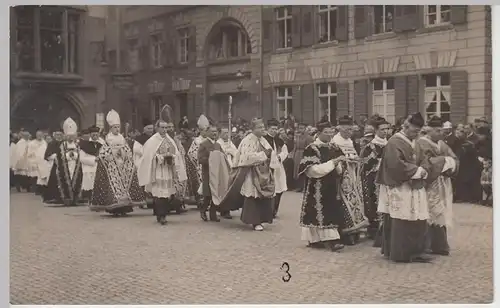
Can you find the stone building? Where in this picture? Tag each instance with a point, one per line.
(52, 75)
(311, 61)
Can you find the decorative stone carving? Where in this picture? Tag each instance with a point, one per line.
(181, 85)
(156, 87)
(380, 66)
(326, 71)
(282, 76)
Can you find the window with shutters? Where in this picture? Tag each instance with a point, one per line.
(327, 100)
(437, 15)
(284, 23)
(327, 22)
(156, 106)
(383, 18)
(133, 54)
(228, 40)
(383, 99)
(284, 98)
(156, 52)
(183, 46)
(437, 96)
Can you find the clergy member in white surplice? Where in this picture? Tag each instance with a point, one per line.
(161, 166)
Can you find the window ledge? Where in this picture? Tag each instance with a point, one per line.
(229, 60)
(381, 37)
(49, 76)
(435, 28)
(283, 50)
(326, 44)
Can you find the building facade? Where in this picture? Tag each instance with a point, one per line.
(309, 61)
(51, 74)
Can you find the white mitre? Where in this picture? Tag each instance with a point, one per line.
(113, 118)
(203, 122)
(70, 127)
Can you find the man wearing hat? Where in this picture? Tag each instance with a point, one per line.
(90, 147)
(437, 158)
(372, 154)
(65, 179)
(402, 196)
(351, 192)
(322, 212)
(281, 150)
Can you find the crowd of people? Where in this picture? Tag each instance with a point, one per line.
(394, 183)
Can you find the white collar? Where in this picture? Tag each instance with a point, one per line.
(379, 141)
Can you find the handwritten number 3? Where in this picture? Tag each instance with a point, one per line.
(286, 268)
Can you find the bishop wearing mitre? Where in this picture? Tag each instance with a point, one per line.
(65, 180)
(116, 187)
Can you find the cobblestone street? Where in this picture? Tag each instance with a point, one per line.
(74, 256)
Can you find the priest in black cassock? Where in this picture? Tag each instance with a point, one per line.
(148, 131)
(91, 148)
(322, 212)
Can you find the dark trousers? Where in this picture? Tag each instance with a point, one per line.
(24, 182)
(161, 207)
(277, 200)
(209, 206)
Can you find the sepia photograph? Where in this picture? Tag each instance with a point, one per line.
(250, 154)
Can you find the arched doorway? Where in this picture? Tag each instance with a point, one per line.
(42, 111)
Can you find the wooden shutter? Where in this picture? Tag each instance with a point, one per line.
(362, 21)
(414, 93)
(342, 30)
(360, 98)
(400, 96)
(308, 102)
(296, 102)
(406, 18)
(192, 44)
(342, 99)
(296, 25)
(308, 30)
(267, 29)
(459, 89)
(458, 14)
(267, 103)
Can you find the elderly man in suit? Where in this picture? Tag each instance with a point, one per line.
(207, 146)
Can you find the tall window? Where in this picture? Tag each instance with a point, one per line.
(284, 20)
(383, 18)
(156, 44)
(133, 54)
(25, 44)
(284, 99)
(437, 14)
(228, 42)
(383, 99)
(73, 46)
(56, 36)
(327, 15)
(437, 95)
(183, 52)
(327, 97)
(52, 50)
(156, 105)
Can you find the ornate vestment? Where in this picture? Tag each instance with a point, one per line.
(371, 155)
(65, 180)
(116, 184)
(441, 163)
(321, 207)
(193, 167)
(351, 189)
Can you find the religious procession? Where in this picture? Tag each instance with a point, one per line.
(392, 184)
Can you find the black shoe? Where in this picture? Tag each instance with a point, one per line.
(158, 219)
(203, 215)
(163, 221)
(334, 246)
(180, 210)
(227, 216)
(421, 259)
(213, 217)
